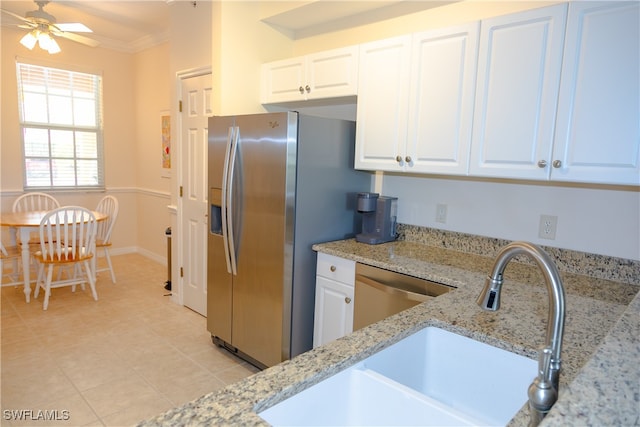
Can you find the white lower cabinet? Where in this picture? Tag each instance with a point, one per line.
(335, 281)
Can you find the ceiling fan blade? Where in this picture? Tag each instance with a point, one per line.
(75, 27)
(15, 15)
(78, 38)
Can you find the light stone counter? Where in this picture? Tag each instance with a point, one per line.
(595, 389)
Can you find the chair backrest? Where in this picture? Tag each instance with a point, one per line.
(3, 251)
(35, 202)
(108, 205)
(67, 234)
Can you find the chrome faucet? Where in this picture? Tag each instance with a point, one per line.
(543, 392)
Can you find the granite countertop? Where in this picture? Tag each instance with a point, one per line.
(599, 380)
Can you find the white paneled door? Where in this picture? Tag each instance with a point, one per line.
(196, 108)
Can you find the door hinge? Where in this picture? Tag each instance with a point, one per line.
(181, 272)
(181, 191)
(180, 106)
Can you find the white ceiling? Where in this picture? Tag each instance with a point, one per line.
(131, 26)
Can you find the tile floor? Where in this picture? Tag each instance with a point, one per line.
(126, 357)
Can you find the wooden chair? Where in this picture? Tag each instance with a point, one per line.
(35, 202)
(13, 254)
(108, 205)
(67, 238)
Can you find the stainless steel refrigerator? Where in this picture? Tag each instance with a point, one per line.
(278, 183)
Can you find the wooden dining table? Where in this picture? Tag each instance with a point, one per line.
(23, 224)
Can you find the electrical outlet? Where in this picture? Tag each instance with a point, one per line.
(547, 228)
(441, 213)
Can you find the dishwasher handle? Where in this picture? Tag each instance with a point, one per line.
(397, 292)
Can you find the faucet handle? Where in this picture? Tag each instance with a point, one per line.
(542, 394)
(544, 364)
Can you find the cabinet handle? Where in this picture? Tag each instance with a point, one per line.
(307, 88)
(407, 159)
(557, 164)
(347, 300)
(301, 89)
(332, 268)
(542, 164)
(399, 159)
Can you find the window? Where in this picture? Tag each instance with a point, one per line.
(61, 127)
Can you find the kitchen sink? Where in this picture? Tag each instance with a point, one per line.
(433, 377)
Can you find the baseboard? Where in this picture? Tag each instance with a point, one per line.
(136, 250)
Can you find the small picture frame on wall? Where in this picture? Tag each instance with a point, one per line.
(165, 139)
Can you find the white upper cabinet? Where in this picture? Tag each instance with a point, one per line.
(415, 101)
(328, 74)
(442, 85)
(520, 58)
(551, 93)
(383, 99)
(598, 126)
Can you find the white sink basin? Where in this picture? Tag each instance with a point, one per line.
(433, 377)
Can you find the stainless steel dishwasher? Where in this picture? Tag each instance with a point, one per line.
(381, 293)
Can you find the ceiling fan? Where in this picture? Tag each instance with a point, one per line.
(43, 28)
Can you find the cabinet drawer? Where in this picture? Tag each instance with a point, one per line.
(336, 268)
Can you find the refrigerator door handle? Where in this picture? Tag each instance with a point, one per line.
(232, 163)
(223, 207)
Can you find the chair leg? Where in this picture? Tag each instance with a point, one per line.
(92, 280)
(47, 289)
(106, 255)
(39, 280)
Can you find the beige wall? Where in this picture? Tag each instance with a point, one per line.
(152, 89)
(241, 43)
(135, 88)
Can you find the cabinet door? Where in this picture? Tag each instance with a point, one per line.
(443, 75)
(332, 74)
(333, 317)
(598, 126)
(283, 81)
(519, 64)
(383, 89)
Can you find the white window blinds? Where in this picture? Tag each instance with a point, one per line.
(61, 126)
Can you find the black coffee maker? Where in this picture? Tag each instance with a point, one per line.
(379, 215)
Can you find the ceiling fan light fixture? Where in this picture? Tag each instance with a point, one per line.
(43, 28)
(46, 42)
(29, 40)
(53, 46)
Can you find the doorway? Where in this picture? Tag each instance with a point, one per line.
(195, 95)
